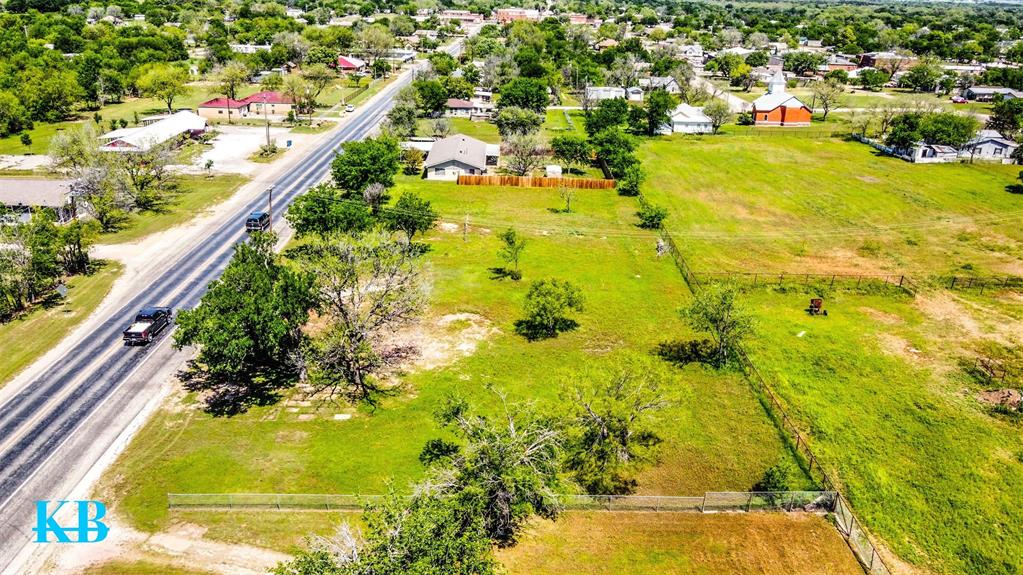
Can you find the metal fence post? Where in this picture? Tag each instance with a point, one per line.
(703, 506)
(230, 503)
(749, 502)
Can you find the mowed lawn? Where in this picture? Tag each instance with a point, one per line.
(797, 204)
(717, 436)
(602, 543)
(29, 336)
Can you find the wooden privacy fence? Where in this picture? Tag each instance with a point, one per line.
(535, 182)
(793, 501)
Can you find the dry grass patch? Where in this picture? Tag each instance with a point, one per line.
(600, 543)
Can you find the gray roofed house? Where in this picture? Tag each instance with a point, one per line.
(666, 83)
(454, 156)
(22, 195)
(988, 93)
(989, 145)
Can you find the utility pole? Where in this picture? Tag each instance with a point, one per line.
(267, 120)
(270, 208)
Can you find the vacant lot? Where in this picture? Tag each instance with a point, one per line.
(881, 390)
(31, 335)
(881, 385)
(716, 434)
(789, 203)
(195, 195)
(603, 543)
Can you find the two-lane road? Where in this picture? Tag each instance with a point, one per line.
(57, 426)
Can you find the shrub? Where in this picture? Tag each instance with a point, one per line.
(651, 217)
(26, 140)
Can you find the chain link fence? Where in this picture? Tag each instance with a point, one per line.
(792, 501)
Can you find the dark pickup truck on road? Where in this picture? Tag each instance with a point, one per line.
(149, 322)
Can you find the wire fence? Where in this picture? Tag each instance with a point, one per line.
(846, 523)
(791, 501)
(982, 283)
(867, 282)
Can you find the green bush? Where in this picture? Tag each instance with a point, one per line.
(651, 217)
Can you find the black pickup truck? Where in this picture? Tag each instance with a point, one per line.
(149, 322)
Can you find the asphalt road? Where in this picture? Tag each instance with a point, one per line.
(54, 429)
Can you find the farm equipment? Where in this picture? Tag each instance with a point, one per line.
(817, 307)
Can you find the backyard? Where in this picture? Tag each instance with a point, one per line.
(882, 386)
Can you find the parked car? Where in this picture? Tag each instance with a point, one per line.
(958, 100)
(149, 322)
(257, 222)
(349, 108)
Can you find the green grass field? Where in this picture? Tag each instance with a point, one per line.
(858, 98)
(879, 390)
(483, 131)
(782, 202)
(196, 194)
(879, 386)
(28, 337)
(717, 436)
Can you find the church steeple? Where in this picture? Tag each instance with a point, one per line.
(777, 84)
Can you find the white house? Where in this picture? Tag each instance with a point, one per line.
(666, 83)
(249, 48)
(458, 108)
(933, 154)
(457, 155)
(988, 93)
(604, 93)
(686, 119)
(634, 94)
(989, 145)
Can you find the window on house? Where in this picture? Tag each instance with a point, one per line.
(438, 171)
(765, 116)
(998, 151)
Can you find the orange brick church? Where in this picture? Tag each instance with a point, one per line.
(779, 108)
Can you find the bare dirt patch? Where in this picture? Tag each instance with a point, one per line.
(444, 340)
(868, 179)
(841, 261)
(881, 316)
(448, 227)
(962, 317)
(182, 545)
(1001, 397)
(899, 346)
